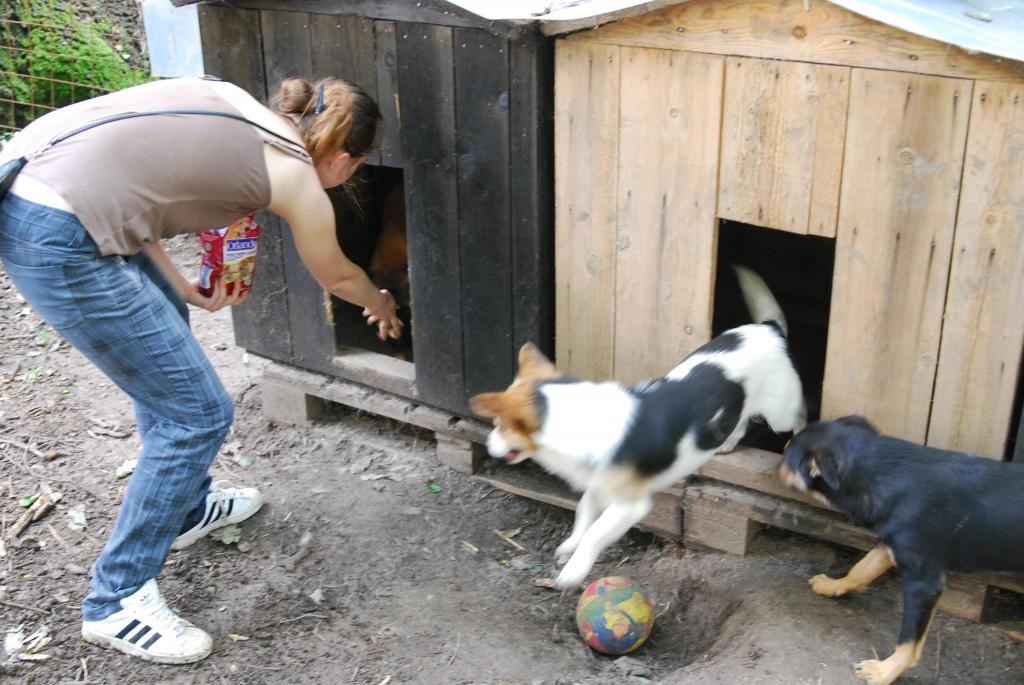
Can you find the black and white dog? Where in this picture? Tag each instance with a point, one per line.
(619, 445)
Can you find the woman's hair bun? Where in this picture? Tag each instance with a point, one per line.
(294, 96)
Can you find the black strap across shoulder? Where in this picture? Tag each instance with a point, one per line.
(132, 115)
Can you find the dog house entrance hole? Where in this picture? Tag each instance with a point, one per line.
(371, 229)
(798, 270)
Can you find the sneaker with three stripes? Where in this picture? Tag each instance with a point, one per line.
(147, 628)
(224, 506)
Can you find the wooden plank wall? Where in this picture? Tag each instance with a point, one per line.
(586, 157)
(861, 134)
(980, 354)
(481, 64)
(286, 36)
(799, 31)
(670, 102)
(387, 93)
(233, 50)
(904, 151)
(532, 182)
(782, 144)
(458, 115)
(312, 46)
(426, 82)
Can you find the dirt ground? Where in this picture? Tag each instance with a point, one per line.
(372, 563)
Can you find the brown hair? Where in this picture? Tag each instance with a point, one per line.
(348, 119)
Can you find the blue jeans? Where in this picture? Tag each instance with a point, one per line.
(124, 316)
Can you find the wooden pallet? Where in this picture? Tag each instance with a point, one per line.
(296, 396)
(529, 480)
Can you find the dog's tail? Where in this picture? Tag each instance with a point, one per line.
(761, 303)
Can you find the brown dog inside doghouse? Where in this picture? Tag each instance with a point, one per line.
(389, 263)
(372, 229)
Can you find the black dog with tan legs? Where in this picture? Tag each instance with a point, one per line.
(935, 511)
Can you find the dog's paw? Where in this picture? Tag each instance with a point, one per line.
(828, 587)
(876, 672)
(728, 446)
(572, 576)
(565, 550)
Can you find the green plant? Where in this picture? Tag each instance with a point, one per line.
(54, 59)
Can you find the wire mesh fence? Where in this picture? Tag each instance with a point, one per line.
(51, 57)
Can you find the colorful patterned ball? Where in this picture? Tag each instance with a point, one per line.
(613, 615)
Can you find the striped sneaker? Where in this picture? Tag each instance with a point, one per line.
(224, 506)
(147, 628)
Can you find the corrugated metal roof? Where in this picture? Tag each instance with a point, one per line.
(995, 27)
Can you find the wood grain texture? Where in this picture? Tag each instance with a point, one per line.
(343, 47)
(983, 333)
(787, 29)
(388, 98)
(426, 78)
(288, 53)
(532, 189)
(436, 12)
(668, 137)
(481, 63)
(586, 157)
(904, 152)
(783, 129)
(286, 47)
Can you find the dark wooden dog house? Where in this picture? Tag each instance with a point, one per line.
(468, 138)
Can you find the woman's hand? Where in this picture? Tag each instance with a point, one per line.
(385, 317)
(218, 300)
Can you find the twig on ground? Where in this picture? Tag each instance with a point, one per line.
(456, 650)
(288, 620)
(99, 432)
(355, 671)
(293, 561)
(240, 398)
(24, 446)
(65, 481)
(56, 536)
(101, 427)
(510, 541)
(40, 508)
(26, 607)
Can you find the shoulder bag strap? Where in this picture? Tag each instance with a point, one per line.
(131, 115)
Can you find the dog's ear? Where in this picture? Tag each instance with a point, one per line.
(825, 465)
(533, 363)
(487, 403)
(858, 422)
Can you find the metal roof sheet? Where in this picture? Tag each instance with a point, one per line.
(995, 27)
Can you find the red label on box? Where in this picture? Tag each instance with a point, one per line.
(229, 254)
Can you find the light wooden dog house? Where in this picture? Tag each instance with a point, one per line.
(699, 127)
(808, 119)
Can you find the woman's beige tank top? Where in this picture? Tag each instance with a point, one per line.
(138, 180)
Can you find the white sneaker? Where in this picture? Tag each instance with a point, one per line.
(224, 506)
(147, 628)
